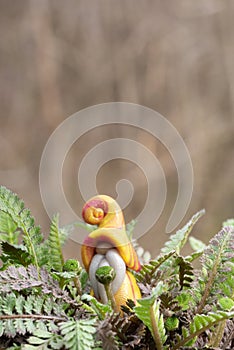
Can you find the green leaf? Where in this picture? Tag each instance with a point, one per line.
(178, 240)
(185, 272)
(148, 271)
(14, 207)
(226, 304)
(185, 300)
(78, 334)
(148, 312)
(196, 244)
(8, 228)
(229, 222)
(101, 310)
(45, 340)
(15, 255)
(56, 240)
(217, 263)
(172, 323)
(200, 324)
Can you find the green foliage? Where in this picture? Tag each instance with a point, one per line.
(105, 274)
(185, 272)
(24, 314)
(148, 312)
(217, 263)
(56, 240)
(226, 304)
(199, 324)
(44, 340)
(45, 302)
(15, 254)
(8, 228)
(97, 308)
(72, 265)
(149, 271)
(21, 217)
(229, 222)
(78, 334)
(73, 334)
(178, 240)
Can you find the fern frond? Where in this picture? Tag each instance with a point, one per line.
(24, 314)
(100, 309)
(169, 303)
(148, 312)
(8, 228)
(178, 240)
(199, 325)
(185, 272)
(229, 222)
(107, 336)
(198, 246)
(43, 340)
(13, 206)
(78, 334)
(17, 255)
(185, 300)
(56, 240)
(148, 271)
(22, 278)
(217, 261)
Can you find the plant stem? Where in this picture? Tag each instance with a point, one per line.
(217, 335)
(34, 317)
(182, 342)
(110, 296)
(157, 339)
(78, 285)
(211, 277)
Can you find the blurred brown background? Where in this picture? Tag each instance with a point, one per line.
(177, 57)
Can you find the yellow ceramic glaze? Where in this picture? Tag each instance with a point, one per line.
(128, 290)
(105, 212)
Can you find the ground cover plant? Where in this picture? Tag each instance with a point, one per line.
(45, 302)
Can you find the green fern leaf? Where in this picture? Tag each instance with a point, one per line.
(148, 271)
(22, 278)
(17, 255)
(196, 244)
(217, 265)
(229, 222)
(149, 313)
(178, 240)
(185, 300)
(101, 310)
(25, 314)
(14, 207)
(199, 325)
(44, 340)
(56, 240)
(78, 334)
(185, 272)
(8, 228)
